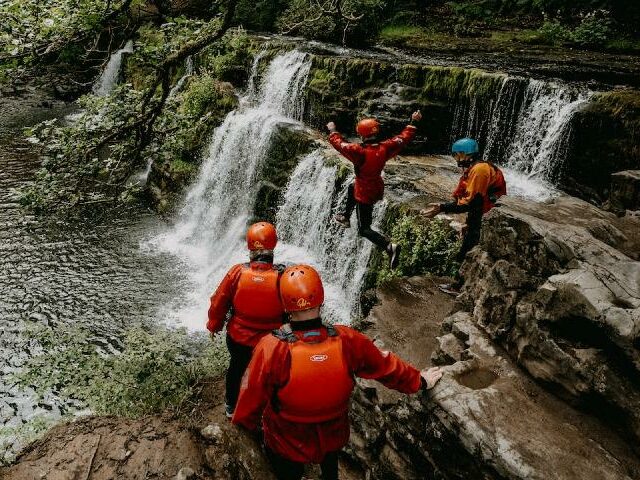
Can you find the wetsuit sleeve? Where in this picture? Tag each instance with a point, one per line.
(351, 151)
(221, 300)
(258, 382)
(367, 361)
(394, 146)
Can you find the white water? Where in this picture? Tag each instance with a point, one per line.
(304, 223)
(543, 130)
(209, 234)
(527, 129)
(109, 77)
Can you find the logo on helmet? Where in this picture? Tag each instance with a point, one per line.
(302, 302)
(258, 279)
(318, 358)
(258, 245)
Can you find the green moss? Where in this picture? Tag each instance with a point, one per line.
(321, 81)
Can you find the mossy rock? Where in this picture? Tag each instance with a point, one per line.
(288, 145)
(605, 140)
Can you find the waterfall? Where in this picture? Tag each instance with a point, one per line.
(526, 128)
(109, 77)
(209, 233)
(305, 225)
(188, 71)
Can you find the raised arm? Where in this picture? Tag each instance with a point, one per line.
(352, 151)
(395, 144)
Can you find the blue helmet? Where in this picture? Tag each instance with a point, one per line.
(465, 145)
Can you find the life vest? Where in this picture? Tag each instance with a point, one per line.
(256, 303)
(497, 189)
(320, 384)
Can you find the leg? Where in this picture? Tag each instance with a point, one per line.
(283, 468)
(351, 201)
(365, 218)
(329, 466)
(345, 218)
(240, 358)
(470, 240)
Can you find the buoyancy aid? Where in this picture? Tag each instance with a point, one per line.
(497, 189)
(320, 384)
(256, 303)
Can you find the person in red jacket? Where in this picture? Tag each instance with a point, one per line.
(369, 159)
(300, 379)
(249, 293)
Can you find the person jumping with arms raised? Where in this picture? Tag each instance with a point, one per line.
(369, 159)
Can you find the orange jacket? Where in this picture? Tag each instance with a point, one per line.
(482, 179)
(269, 371)
(369, 161)
(250, 292)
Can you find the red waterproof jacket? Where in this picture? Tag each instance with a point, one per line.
(251, 292)
(270, 370)
(369, 161)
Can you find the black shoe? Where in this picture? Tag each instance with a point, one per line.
(228, 410)
(449, 289)
(394, 255)
(343, 220)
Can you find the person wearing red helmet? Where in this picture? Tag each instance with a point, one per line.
(249, 293)
(299, 382)
(369, 159)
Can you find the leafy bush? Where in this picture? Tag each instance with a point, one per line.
(154, 371)
(427, 247)
(595, 30)
(553, 32)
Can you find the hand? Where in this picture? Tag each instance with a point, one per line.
(331, 126)
(416, 116)
(212, 336)
(433, 210)
(431, 376)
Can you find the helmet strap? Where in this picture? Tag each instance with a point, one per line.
(261, 256)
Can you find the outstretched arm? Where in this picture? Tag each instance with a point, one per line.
(367, 361)
(352, 151)
(395, 145)
(221, 300)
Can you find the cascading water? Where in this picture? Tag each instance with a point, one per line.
(109, 77)
(526, 128)
(304, 224)
(188, 71)
(211, 226)
(209, 235)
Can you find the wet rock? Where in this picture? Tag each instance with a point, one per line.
(574, 323)
(625, 191)
(485, 419)
(212, 433)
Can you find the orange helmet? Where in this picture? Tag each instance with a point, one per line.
(262, 236)
(301, 288)
(368, 127)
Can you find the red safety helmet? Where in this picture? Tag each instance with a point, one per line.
(301, 288)
(368, 127)
(262, 236)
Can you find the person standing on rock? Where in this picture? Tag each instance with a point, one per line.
(299, 382)
(369, 159)
(480, 185)
(249, 293)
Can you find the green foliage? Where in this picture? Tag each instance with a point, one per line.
(595, 30)
(553, 32)
(32, 28)
(230, 58)
(399, 33)
(321, 80)
(427, 247)
(154, 371)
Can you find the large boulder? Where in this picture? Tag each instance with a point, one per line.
(548, 283)
(486, 419)
(625, 191)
